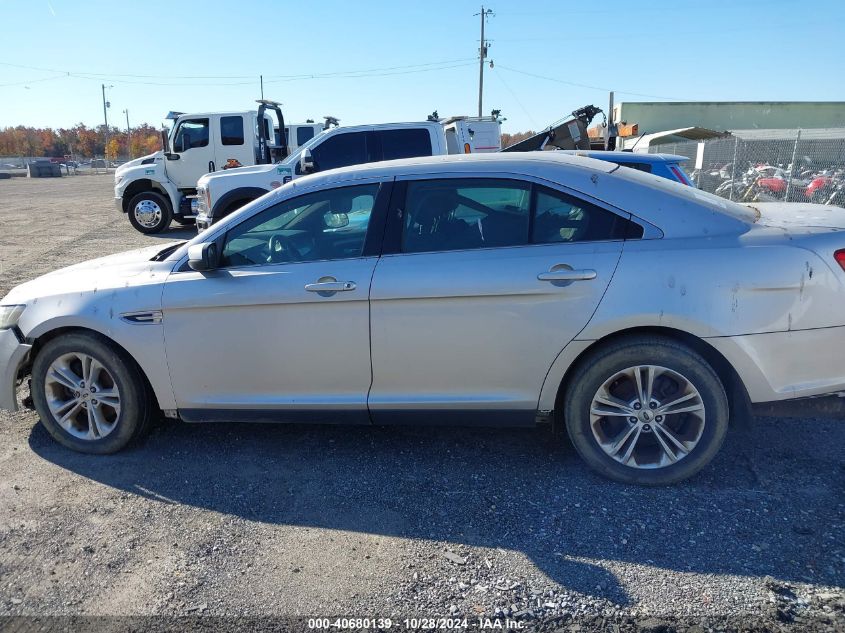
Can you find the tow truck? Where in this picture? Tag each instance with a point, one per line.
(219, 194)
(155, 189)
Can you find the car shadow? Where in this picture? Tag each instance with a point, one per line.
(760, 509)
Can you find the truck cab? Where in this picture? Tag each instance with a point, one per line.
(218, 195)
(155, 189)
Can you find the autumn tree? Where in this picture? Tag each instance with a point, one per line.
(516, 137)
(78, 140)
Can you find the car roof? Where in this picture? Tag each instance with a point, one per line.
(525, 162)
(678, 210)
(627, 157)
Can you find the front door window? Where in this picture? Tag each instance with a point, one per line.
(325, 225)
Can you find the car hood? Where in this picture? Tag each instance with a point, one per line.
(252, 169)
(798, 214)
(137, 162)
(113, 272)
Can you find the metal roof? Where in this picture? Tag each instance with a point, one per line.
(790, 133)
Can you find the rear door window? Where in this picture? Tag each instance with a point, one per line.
(465, 213)
(646, 167)
(404, 143)
(232, 130)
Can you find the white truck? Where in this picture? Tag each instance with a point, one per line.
(155, 189)
(219, 194)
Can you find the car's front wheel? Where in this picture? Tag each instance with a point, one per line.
(646, 410)
(90, 397)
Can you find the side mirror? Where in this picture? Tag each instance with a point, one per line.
(202, 257)
(306, 162)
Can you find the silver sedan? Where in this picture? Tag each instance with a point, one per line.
(636, 313)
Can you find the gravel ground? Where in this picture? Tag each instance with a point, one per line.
(251, 521)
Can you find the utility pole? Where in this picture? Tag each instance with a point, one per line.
(128, 134)
(482, 55)
(106, 104)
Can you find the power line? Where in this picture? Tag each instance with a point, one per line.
(119, 76)
(516, 98)
(587, 86)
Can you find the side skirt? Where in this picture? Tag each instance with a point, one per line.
(413, 417)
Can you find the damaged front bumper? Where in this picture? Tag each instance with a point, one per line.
(13, 354)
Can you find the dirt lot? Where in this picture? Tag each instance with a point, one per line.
(236, 521)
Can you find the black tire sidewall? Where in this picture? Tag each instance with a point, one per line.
(166, 212)
(133, 401)
(592, 374)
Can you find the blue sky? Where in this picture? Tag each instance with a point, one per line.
(398, 61)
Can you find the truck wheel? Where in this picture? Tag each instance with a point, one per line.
(149, 212)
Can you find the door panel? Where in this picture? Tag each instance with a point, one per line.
(194, 144)
(255, 339)
(281, 330)
(477, 329)
(236, 146)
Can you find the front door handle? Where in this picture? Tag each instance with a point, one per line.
(331, 286)
(568, 274)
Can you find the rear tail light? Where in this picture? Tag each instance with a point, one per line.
(680, 175)
(467, 148)
(839, 256)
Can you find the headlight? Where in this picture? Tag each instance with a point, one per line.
(9, 316)
(118, 179)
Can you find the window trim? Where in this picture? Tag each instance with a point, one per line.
(395, 217)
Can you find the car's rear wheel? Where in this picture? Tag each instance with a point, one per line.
(90, 397)
(149, 212)
(646, 410)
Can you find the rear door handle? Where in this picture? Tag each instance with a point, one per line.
(331, 286)
(568, 274)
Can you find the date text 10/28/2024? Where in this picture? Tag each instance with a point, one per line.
(415, 624)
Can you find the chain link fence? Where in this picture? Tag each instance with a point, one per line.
(763, 170)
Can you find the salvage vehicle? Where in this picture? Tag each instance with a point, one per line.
(639, 314)
(219, 194)
(155, 189)
(663, 165)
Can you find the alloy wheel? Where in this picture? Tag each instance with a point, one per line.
(82, 396)
(647, 416)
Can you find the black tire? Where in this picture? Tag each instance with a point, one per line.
(153, 199)
(135, 401)
(593, 371)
